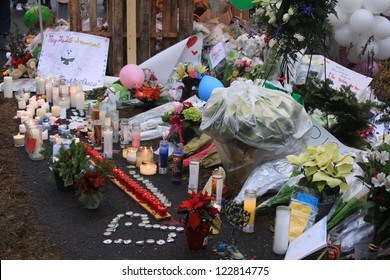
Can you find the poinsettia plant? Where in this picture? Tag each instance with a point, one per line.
(94, 180)
(198, 209)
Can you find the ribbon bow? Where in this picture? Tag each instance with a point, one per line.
(177, 124)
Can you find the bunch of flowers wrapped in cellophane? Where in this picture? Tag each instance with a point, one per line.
(149, 93)
(185, 120)
(375, 165)
(189, 74)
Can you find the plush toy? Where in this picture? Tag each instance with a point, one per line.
(31, 66)
(29, 70)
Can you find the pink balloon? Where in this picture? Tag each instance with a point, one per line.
(366, 68)
(131, 76)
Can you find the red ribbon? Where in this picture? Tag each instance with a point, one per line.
(177, 124)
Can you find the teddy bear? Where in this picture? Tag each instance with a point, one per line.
(29, 70)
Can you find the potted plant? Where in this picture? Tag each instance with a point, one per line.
(323, 171)
(68, 163)
(199, 215)
(375, 166)
(93, 181)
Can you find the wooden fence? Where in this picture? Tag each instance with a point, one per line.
(132, 27)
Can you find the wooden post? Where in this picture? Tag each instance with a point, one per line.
(116, 29)
(131, 19)
(75, 19)
(186, 9)
(143, 28)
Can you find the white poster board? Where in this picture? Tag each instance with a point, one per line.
(74, 56)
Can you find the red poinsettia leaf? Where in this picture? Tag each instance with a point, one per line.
(194, 220)
(186, 205)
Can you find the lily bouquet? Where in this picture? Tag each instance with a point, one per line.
(189, 74)
(375, 165)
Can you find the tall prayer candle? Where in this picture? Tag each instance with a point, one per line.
(282, 229)
(194, 175)
(56, 95)
(55, 110)
(73, 92)
(80, 100)
(135, 135)
(48, 89)
(250, 206)
(107, 136)
(163, 157)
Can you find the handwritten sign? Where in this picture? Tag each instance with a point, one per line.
(74, 56)
(217, 53)
(342, 76)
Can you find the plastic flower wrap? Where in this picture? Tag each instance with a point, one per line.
(252, 124)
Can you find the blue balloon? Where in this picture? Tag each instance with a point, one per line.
(207, 85)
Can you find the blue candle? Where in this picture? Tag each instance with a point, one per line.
(163, 159)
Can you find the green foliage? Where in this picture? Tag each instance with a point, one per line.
(70, 161)
(351, 115)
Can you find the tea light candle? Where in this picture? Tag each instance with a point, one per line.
(148, 168)
(55, 110)
(143, 154)
(56, 95)
(22, 128)
(45, 135)
(22, 104)
(131, 155)
(80, 100)
(19, 140)
(61, 128)
(250, 206)
(7, 87)
(41, 112)
(282, 229)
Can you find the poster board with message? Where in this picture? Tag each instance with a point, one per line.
(74, 56)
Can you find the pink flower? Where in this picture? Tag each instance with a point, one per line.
(178, 108)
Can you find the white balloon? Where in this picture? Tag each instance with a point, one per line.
(387, 12)
(344, 35)
(376, 6)
(381, 27)
(361, 20)
(352, 56)
(349, 6)
(365, 48)
(384, 49)
(339, 18)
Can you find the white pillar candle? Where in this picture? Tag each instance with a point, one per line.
(80, 100)
(46, 107)
(40, 83)
(64, 103)
(73, 92)
(22, 128)
(36, 133)
(22, 104)
(45, 135)
(55, 110)
(48, 89)
(148, 168)
(40, 112)
(102, 114)
(250, 206)
(107, 136)
(194, 174)
(7, 87)
(33, 104)
(63, 113)
(217, 179)
(64, 90)
(282, 229)
(56, 95)
(20, 113)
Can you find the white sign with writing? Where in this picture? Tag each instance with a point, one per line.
(342, 76)
(217, 53)
(74, 56)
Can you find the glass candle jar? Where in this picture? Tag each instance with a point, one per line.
(35, 142)
(135, 135)
(125, 133)
(282, 229)
(144, 154)
(163, 157)
(250, 206)
(177, 167)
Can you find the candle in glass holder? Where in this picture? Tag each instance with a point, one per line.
(135, 135)
(107, 143)
(40, 85)
(163, 157)
(217, 185)
(250, 206)
(131, 155)
(282, 229)
(148, 168)
(143, 154)
(177, 167)
(19, 140)
(48, 90)
(73, 92)
(40, 112)
(45, 135)
(80, 100)
(55, 95)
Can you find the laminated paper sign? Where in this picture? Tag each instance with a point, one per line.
(74, 56)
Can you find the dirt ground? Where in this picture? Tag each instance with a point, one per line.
(20, 236)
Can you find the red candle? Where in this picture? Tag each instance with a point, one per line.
(162, 210)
